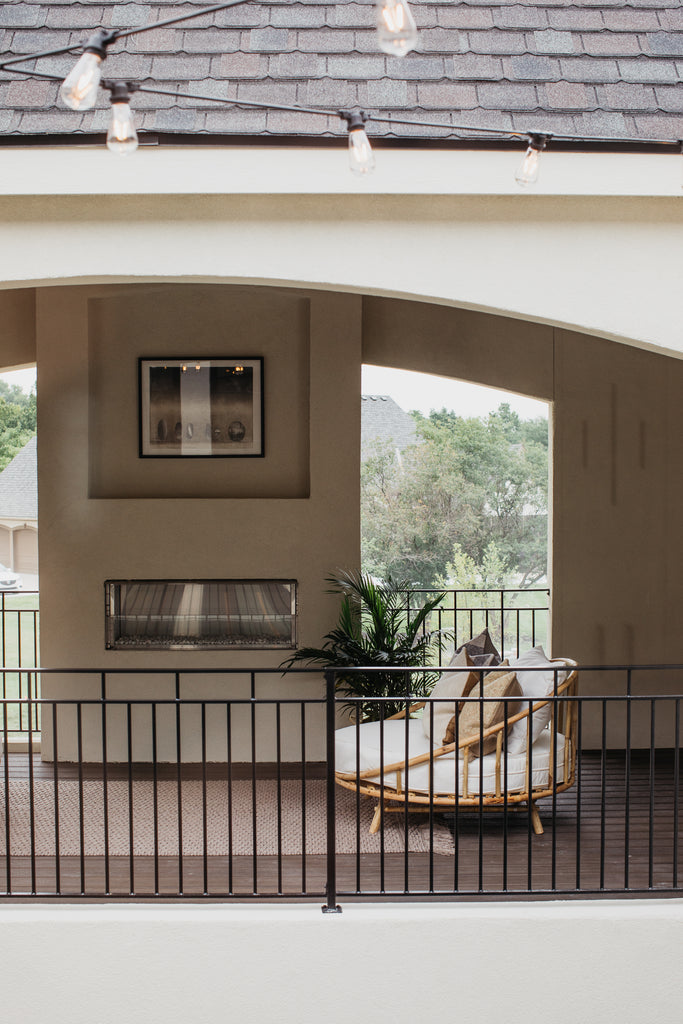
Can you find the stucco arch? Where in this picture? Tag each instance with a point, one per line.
(600, 257)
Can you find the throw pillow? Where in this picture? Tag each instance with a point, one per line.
(489, 677)
(451, 686)
(481, 649)
(490, 712)
(536, 686)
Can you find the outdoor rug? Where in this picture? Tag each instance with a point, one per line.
(230, 824)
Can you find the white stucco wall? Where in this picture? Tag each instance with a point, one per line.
(596, 246)
(565, 963)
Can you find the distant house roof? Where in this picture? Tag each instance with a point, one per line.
(581, 67)
(19, 485)
(383, 421)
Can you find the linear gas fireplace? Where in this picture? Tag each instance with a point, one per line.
(200, 614)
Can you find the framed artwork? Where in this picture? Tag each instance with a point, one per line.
(201, 408)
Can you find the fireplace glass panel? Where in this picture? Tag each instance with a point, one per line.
(200, 614)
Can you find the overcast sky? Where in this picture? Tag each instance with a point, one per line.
(424, 392)
(24, 378)
(420, 391)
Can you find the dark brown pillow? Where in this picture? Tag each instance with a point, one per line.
(481, 649)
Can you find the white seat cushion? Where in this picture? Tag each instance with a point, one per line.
(417, 777)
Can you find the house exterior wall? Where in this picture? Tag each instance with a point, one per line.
(19, 545)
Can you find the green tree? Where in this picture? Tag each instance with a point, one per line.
(478, 483)
(17, 420)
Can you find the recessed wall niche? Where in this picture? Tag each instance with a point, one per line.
(130, 322)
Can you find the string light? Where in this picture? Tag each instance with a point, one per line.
(527, 172)
(361, 157)
(397, 35)
(396, 28)
(121, 137)
(79, 88)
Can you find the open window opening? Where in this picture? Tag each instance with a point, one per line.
(455, 498)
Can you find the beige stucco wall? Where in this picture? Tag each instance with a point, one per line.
(617, 962)
(617, 489)
(106, 514)
(17, 327)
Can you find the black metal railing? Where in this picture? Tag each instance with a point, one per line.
(516, 618)
(230, 785)
(20, 646)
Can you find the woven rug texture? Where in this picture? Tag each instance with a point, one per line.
(229, 820)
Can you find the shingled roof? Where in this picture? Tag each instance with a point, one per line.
(385, 422)
(19, 485)
(595, 67)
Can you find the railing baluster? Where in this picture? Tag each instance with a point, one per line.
(331, 906)
(579, 776)
(155, 799)
(81, 821)
(8, 829)
(278, 731)
(254, 801)
(303, 797)
(228, 723)
(105, 780)
(179, 783)
(651, 819)
(677, 779)
(627, 782)
(131, 808)
(55, 783)
(205, 820)
(603, 791)
(32, 804)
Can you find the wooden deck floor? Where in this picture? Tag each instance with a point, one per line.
(598, 843)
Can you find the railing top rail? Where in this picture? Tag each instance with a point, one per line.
(298, 701)
(478, 590)
(560, 666)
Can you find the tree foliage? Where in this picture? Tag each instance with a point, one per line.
(17, 420)
(471, 488)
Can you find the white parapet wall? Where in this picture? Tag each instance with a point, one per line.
(522, 963)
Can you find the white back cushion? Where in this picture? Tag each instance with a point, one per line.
(536, 685)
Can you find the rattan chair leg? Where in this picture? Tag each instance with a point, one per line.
(536, 822)
(377, 820)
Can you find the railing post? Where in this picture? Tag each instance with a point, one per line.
(331, 906)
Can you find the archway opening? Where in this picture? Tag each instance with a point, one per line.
(455, 497)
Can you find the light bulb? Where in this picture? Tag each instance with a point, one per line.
(79, 88)
(396, 28)
(361, 157)
(122, 137)
(527, 172)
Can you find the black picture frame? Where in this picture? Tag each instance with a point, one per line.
(201, 407)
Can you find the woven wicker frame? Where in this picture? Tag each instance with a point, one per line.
(391, 799)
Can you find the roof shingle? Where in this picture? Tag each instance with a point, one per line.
(608, 66)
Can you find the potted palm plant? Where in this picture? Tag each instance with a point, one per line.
(376, 629)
